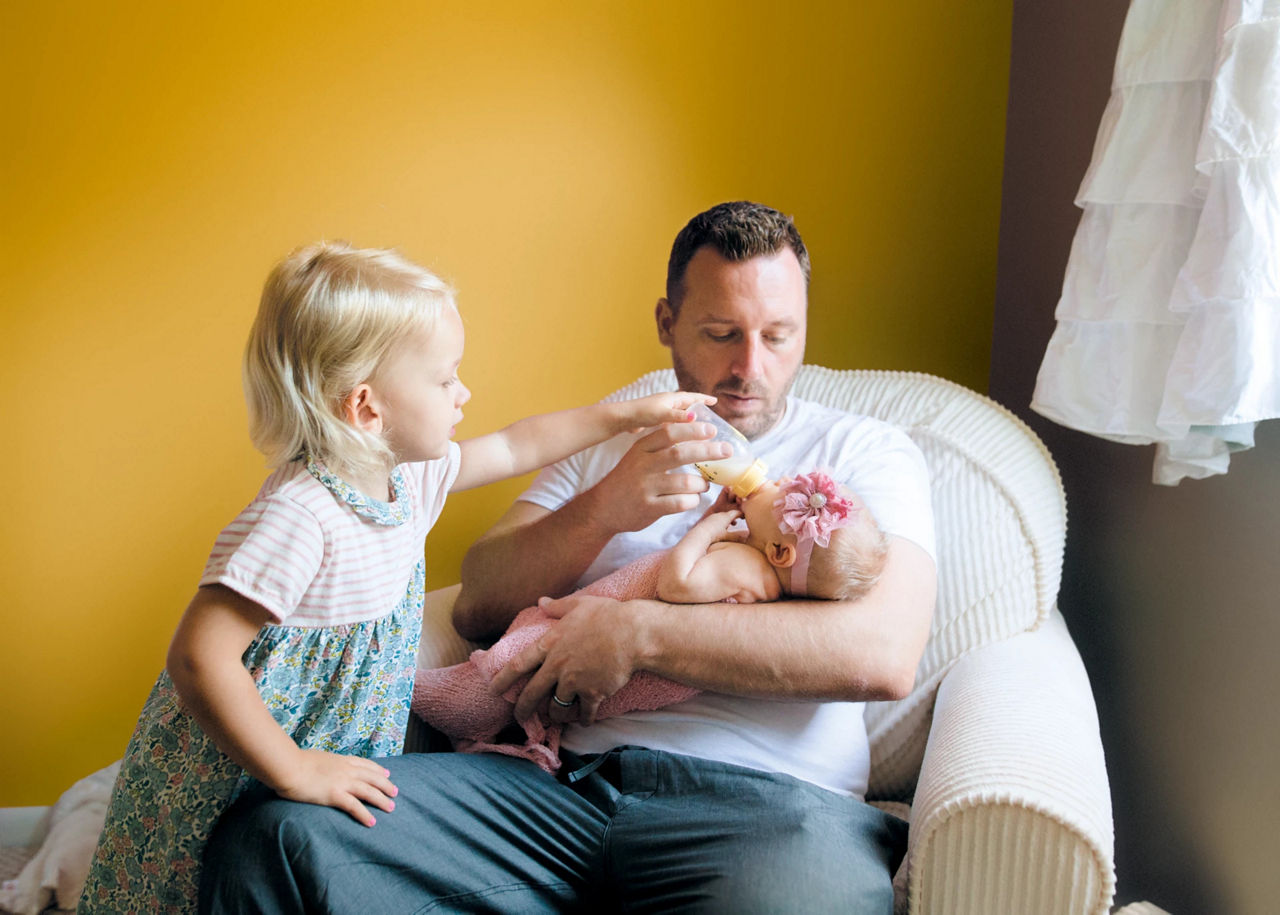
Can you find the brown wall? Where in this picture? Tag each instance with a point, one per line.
(1171, 593)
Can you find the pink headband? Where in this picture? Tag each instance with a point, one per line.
(811, 507)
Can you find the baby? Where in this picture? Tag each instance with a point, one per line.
(786, 519)
(806, 536)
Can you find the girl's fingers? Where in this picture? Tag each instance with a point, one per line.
(374, 797)
(685, 399)
(384, 786)
(371, 767)
(378, 780)
(348, 804)
(683, 409)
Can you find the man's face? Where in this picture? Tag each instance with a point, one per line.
(739, 334)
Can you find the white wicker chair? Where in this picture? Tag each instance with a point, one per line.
(997, 750)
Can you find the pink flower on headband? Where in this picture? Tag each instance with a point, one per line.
(812, 507)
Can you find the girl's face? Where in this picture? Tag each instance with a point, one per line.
(420, 393)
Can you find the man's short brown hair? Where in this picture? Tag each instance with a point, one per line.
(739, 231)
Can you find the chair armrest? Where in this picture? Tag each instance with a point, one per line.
(1012, 812)
(441, 646)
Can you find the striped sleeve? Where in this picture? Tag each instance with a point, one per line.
(434, 479)
(270, 554)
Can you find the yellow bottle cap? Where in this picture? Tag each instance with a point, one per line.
(752, 479)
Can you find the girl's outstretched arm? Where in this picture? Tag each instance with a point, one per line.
(205, 664)
(537, 441)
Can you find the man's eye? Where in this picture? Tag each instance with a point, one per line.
(776, 341)
(720, 338)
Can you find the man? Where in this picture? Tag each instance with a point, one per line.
(747, 797)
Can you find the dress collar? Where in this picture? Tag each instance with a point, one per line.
(391, 513)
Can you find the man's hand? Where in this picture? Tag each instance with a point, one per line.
(532, 551)
(641, 488)
(588, 655)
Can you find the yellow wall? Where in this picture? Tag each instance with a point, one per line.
(157, 158)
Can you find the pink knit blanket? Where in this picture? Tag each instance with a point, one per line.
(456, 700)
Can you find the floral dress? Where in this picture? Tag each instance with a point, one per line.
(343, 689)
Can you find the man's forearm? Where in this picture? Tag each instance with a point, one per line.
(861, 650)
(530, 554)
(795, 649)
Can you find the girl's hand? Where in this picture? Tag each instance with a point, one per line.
(668, 407)
(346, 783)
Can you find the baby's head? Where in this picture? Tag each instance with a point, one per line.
(820, 538)
(329, 317)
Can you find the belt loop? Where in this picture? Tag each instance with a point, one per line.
(583, 771)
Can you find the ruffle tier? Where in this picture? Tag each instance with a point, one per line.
(1169, 322)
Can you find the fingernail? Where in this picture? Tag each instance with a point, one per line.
(392, 807)
(386, 772)
(372, 821)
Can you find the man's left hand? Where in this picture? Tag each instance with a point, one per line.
(584, 659)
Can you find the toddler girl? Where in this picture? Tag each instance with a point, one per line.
(806, 537)
(294, 661)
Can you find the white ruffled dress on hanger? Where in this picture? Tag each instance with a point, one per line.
(1169, 323)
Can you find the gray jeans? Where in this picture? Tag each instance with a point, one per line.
(639, 830)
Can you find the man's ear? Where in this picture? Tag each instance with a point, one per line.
(665, 318)
(362, 409)
(780, 555)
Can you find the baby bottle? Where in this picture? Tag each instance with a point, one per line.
(742, 473)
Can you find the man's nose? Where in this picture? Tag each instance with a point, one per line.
(747, 362)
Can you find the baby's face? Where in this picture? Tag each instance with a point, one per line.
(757, 511)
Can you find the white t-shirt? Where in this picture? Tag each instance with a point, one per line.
(820, 742)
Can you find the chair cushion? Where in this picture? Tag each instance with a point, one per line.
(1000, 517)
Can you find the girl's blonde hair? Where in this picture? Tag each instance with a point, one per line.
(330, 313)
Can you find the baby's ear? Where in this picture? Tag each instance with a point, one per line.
(780, 555)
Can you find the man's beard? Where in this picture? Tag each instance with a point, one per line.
(752, 426)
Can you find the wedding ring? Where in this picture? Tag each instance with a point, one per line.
(560, 702)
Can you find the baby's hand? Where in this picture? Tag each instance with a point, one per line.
(717, 525)
(724, 502)
(668, 407)
(346, 783)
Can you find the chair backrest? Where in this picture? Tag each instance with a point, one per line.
(1000, 514)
